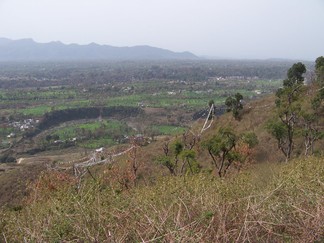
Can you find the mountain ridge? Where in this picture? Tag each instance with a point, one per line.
(29, 50)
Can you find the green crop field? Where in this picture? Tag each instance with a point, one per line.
(88, 128)
(169, 129)
(158, 94)
(34, 111)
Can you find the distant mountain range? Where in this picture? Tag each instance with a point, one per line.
(29, 50)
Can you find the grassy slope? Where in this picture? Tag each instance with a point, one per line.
(267, 203)
(254, 117)
(14, 182)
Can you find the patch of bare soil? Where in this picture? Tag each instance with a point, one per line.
(14, 181)
(15, 177)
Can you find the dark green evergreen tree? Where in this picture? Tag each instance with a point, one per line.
(234, 104)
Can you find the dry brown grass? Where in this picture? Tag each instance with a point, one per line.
(13, 182)
(267, 203)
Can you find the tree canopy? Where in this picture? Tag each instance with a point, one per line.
(295, 75)
(222, 148)
(234, 104)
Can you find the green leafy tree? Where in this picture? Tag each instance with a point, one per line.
(295, 75)
(280, 132)
(167, 161)
(189, 161)
(319, 62)
(309, 119)
(288, 109)
(319, 69)
(250, 139)
(176, 153)
(222, 148)
(234, 104)
(170, 158)
(311, 131)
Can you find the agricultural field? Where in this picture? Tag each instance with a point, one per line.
(35, 102)
(88, 134)
(169, 94)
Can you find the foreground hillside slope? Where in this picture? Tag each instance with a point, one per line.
(267, 203)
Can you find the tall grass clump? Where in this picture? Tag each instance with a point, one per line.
(268, 203)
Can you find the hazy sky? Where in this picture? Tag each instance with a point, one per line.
(219, 28)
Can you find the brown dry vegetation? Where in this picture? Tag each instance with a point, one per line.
(266, 203)
(14, 180)
(253, 118)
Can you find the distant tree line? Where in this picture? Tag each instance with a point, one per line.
(75, 73)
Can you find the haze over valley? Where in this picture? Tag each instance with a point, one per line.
(29, 50)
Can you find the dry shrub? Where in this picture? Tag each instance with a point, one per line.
(286, 206)
(48, 183)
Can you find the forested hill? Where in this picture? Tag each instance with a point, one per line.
(28, 49)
